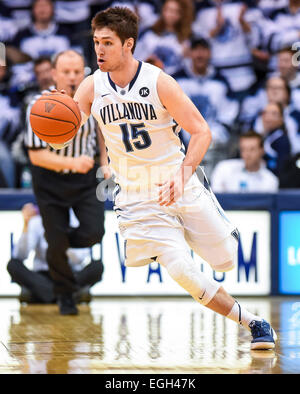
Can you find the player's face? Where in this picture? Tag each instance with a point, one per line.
(111, 53)
(69, 73)
(251, 151)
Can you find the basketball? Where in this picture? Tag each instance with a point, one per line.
(55, 118)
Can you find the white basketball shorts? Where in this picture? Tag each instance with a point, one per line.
(196, 222)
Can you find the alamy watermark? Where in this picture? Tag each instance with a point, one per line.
(145, 182)
(2, 55)
(296, 56)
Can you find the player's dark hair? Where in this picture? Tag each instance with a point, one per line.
(253, 134)
(121, 20)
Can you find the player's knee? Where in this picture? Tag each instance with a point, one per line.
(228, 266)
(186, 272)
(224, 255)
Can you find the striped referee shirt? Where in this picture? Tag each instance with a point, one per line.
(84, 142)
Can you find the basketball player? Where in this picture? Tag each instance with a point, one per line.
(162, 207)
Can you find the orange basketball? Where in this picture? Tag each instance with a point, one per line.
(55, 118)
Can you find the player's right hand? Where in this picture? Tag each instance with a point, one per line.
(83, 164)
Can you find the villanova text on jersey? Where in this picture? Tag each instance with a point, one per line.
(131, 111)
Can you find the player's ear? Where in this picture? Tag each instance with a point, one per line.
(129, 43)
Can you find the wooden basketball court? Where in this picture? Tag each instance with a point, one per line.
(144, 335)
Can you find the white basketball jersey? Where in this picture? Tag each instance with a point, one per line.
(140, 135)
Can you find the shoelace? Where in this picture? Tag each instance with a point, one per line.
(259, 329)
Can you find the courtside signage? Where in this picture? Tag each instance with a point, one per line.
(251, 276)
(289, 252)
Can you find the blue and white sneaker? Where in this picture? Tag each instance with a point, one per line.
(264, 336)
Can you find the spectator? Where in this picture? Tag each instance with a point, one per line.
(64, 179)
(43, 80)
(289, 175)
(286, 69)
(278, 91)
(229, 28)
(247, 174)
(43, 38)
(9, 122)
(167, 39)
(37, 284)
(210, 92)
(276, 142)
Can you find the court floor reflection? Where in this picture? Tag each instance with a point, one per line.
(144, 335)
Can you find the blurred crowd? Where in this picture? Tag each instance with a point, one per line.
(238, 61)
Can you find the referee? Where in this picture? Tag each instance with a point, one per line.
(64, 179)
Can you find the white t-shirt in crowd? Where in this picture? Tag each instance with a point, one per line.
(231, 176)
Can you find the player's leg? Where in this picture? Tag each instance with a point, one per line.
(208, 292)
(210, 234)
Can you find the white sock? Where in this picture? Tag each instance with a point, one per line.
(240, 315)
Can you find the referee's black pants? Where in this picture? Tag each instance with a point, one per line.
(56, 193)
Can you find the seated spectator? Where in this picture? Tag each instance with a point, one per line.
(276, 142)
(42, 81)
(289, 176)
(286, 68)
(9, 123)
(42, 38)
(278, 91)
(247, 174)
(37, 285)
(210, 92)
(228, 26)
(167, 39)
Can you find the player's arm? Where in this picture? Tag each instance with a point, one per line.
(185, 113)
(84, 97)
